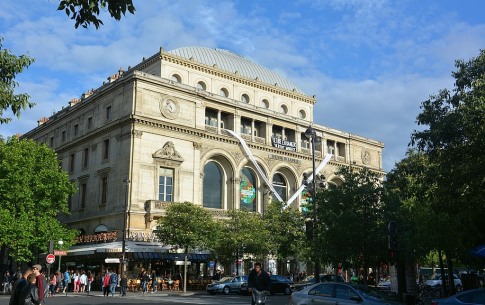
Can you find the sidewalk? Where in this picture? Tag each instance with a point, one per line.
(163, 293)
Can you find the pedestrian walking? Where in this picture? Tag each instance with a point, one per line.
(123, 285)
(18, 286)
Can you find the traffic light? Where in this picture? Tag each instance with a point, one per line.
(392, 235)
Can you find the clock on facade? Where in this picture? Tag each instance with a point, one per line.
(169, 108)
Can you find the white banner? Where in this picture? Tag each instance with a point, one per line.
(317, 170)
(255, 163)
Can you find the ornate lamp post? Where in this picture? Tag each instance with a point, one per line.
(311, 134)
(126, 181)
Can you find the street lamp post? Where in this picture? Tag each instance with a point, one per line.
(311, 134)
(60, 242)
(126, 181)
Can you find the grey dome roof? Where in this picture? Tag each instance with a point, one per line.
(231, 62)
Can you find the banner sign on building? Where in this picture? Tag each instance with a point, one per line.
(283, 144)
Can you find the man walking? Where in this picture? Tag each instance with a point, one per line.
(39, 281)
(18, 286)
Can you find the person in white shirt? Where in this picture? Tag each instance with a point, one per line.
(83, 280)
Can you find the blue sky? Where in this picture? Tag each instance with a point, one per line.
(369, 62)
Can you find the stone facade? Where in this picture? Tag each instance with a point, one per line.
(169, 114)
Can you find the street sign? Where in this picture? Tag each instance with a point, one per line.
(60, 252)
(50, 258)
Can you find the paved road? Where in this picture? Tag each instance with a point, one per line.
(157, 298)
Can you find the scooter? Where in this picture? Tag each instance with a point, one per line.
(259, 296)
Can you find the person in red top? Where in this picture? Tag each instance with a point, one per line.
(39, 281)
(106, 283)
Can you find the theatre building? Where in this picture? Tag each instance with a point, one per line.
(160, 132)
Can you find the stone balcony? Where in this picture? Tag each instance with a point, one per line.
(155, 209)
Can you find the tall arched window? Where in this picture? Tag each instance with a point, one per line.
(213, 186)
(247, 190)
(279, 183)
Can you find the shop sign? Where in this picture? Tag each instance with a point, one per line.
(283, 144)
(181, 263)
(112, 260)
(143, 236)
(95, 238)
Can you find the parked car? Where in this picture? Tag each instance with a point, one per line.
(279, 284)
(474, 296)
(310, 280)
(435, 282)
(227, 285)
(384, 285)
(331, 293)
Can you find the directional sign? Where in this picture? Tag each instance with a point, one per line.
(50, 258)
(60, 252)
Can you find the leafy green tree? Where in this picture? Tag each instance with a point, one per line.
(86, 12)
(351, 227)
(10, 66)
(186, 226)
(287, 231)
(453, 139)
(243, 232)
(33, 191)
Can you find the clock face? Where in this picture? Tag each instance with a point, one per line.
(169, 108)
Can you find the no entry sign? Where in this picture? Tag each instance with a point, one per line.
(50, 258)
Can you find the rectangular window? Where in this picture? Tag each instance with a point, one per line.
(106, 149)
(71, 162)
(165, 184)
(83, 192)
(51, 142)
(85, 157)
(63, 136)
(90, 123)
(104, 190)
(108, 113)
(76, 130)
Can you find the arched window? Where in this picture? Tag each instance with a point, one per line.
(213, 186)
(201, 86)
(176, 78)
(279, 183)
(223, 92)
(302, 114)
(245, 98)
(283, 109)
(265, 103)
(247, 190)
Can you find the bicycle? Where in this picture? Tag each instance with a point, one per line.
(259, 296)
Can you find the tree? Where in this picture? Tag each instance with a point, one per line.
(186, 226)
(10, 66)
(243, 232)
(453, 139)
(286, 228)
(33, 191)
(352, 229)
(86, 12)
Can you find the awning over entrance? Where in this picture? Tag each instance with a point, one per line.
(193, 257)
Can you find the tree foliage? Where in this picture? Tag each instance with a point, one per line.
(186, 226)
(33, 191)
(286, 229)
(10, 66)
(352, 224)
(454, 141)
(86, 12)
(242, 232)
